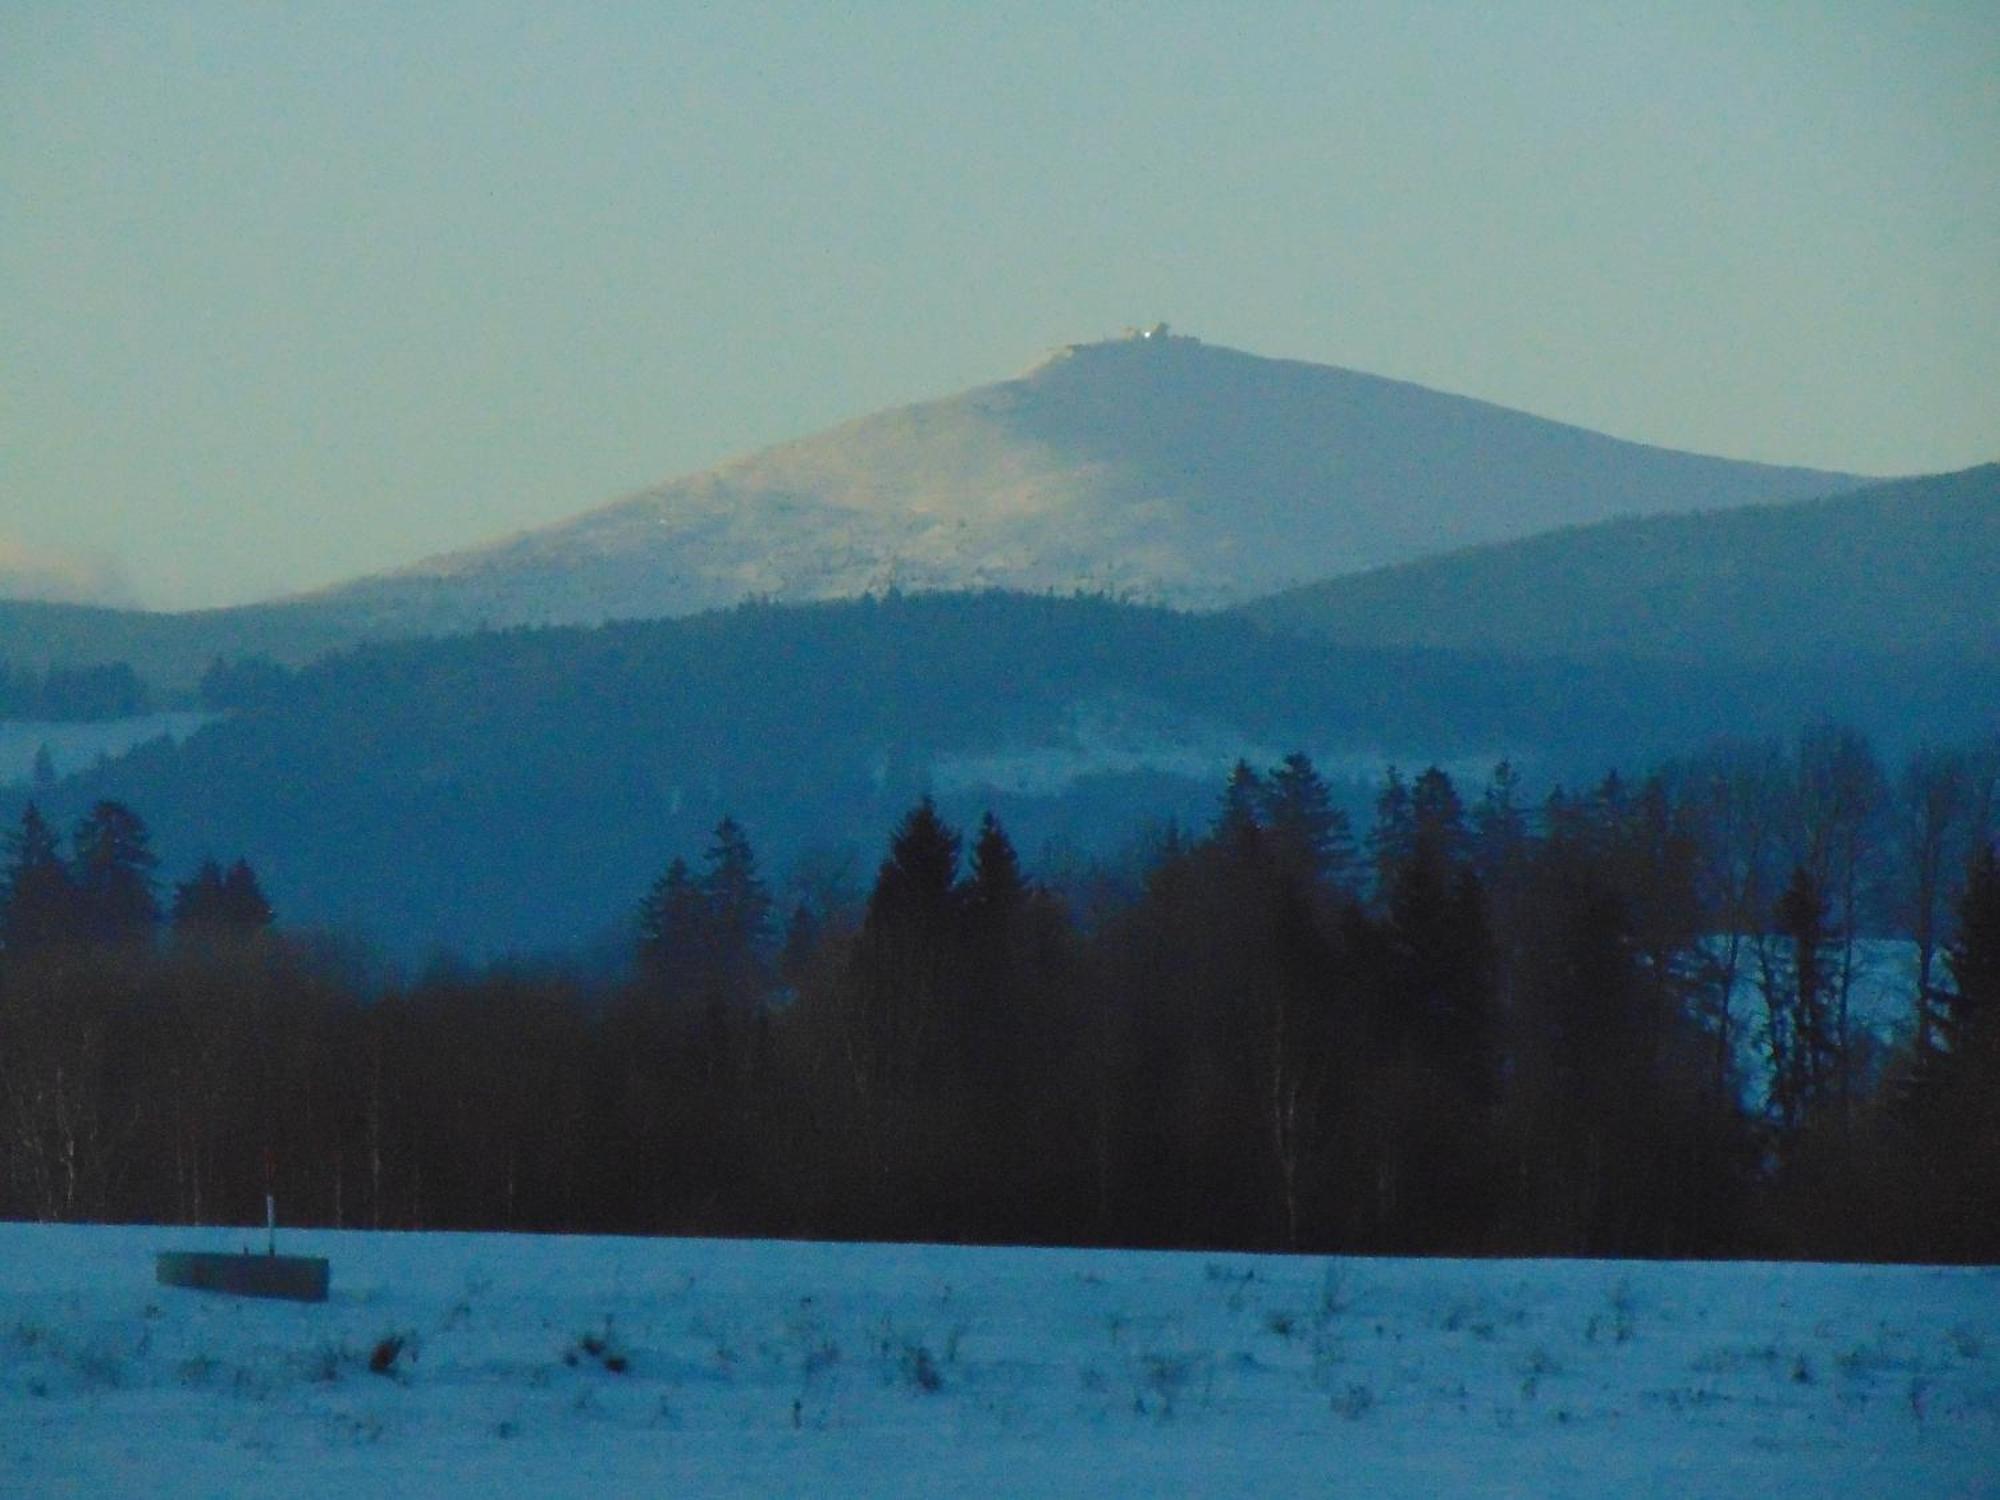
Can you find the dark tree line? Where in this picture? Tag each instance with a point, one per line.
(1610, 1022)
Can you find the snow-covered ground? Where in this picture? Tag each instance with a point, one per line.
(602, 1367)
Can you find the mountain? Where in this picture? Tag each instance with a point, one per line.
(1156, 468)
(519, 789)
(1907, 569)
(1153, 467)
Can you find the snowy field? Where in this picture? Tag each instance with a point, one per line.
(606, 1367)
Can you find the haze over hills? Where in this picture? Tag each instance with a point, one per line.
(1153, 467)
(1902, 569)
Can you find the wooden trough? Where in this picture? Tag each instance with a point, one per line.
(296, 1278)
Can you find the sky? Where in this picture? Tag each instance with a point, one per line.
(291, 293)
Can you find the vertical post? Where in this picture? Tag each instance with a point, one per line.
(270, 1203)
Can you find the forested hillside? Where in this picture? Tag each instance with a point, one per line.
(497, 792)
(167, 652)
(1898, 571)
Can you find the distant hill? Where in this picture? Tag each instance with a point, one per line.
(170, 650)
(1158, 469)
(1909, 569)
(519, 789)
(1155, 468)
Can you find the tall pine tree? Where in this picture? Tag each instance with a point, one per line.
(113, 865)
(39, 906)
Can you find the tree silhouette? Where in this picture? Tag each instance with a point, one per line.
(734, 901)
(112, 865)
(1971, 1008)
(213, 903)
(39, 906)
(1313, 837)
(1243, 801)
(670, 923)
(1804, 1049)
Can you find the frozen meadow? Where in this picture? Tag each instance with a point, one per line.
(504, 1364)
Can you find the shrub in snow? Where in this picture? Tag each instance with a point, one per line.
(1354, 1403)
(600, 1349)
(920, 1371)
(387, 1351)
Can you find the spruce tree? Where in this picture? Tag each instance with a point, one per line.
(1237, 825)
(1313, 836)
(1393, 837)
(197, 903)
(906, 956)
(244, 907)
(39, 906)
(211, 903)
(112, 865)
(996, 890)
(734, 901)
(917, 885)
(670, 923)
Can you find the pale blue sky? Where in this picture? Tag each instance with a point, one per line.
(292, 292)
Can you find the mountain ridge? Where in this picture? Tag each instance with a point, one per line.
(1158, 468)
(1905, 566)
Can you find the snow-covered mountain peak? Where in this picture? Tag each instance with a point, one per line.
(1152, 465)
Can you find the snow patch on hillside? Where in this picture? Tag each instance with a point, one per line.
(1123, 734)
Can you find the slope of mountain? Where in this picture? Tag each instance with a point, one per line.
(520, 789)
(1907, 568)
(1157, 468)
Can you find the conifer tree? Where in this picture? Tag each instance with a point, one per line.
(735, 903)
(112, 866)
(1393, 836)
(996, 890)
(39, 907)
(1313, 836)
(244, 906)
(197, 903)
(1437, 815)
(906, 955)
(1500, 827)
(214, 903)
(917, 885)
(670, 922)
(1243, 799)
